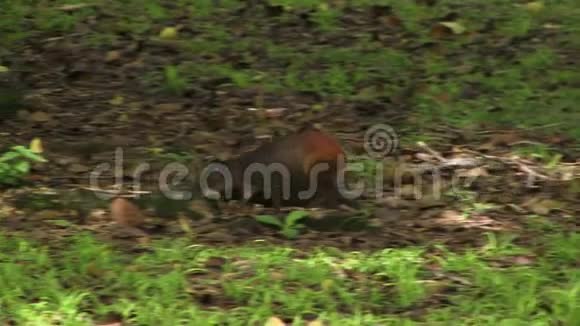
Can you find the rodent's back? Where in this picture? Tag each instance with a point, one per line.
(297, 153)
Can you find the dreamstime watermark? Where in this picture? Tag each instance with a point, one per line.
(380, 141)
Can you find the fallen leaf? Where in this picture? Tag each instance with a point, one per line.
(4, 69)
(126, 213)
(74, 7)
(112, 56)
(78, 168)
(426, 157)
(274, 321)
(391, 21)
(168, 107)
(36, 146)
(523, 260)
(473, 173)
(39, 116)
(445, 29)
(274, 112)
(117, 100)
(455, 27)
(215, 263)
(168, 33)
(535, 6)
(443, 97)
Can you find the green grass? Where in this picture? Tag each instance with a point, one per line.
(84, 281)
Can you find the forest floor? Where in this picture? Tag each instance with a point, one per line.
(484, 92)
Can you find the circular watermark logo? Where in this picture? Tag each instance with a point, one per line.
(380, 140)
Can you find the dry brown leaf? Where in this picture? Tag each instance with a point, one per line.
(425, 157)
(440, 31)
(166, 108)
(523, 260)
(473, 173)
(78, 168)
(76, 6)
(216, 263)
(126, 213)
(113, 56)
(274, 113)
(391, 21)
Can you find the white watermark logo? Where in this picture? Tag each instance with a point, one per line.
(379, 142)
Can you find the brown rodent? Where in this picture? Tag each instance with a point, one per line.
(307, 156)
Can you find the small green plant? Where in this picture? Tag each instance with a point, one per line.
(174, 82)
(326, 18)
(291, 225)
(15, 164)
(364, 166)
(501, 245)
(179, 156)
(540, 152)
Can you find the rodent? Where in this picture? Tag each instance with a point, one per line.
(308, 155)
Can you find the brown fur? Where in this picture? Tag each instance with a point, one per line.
(299, 153)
